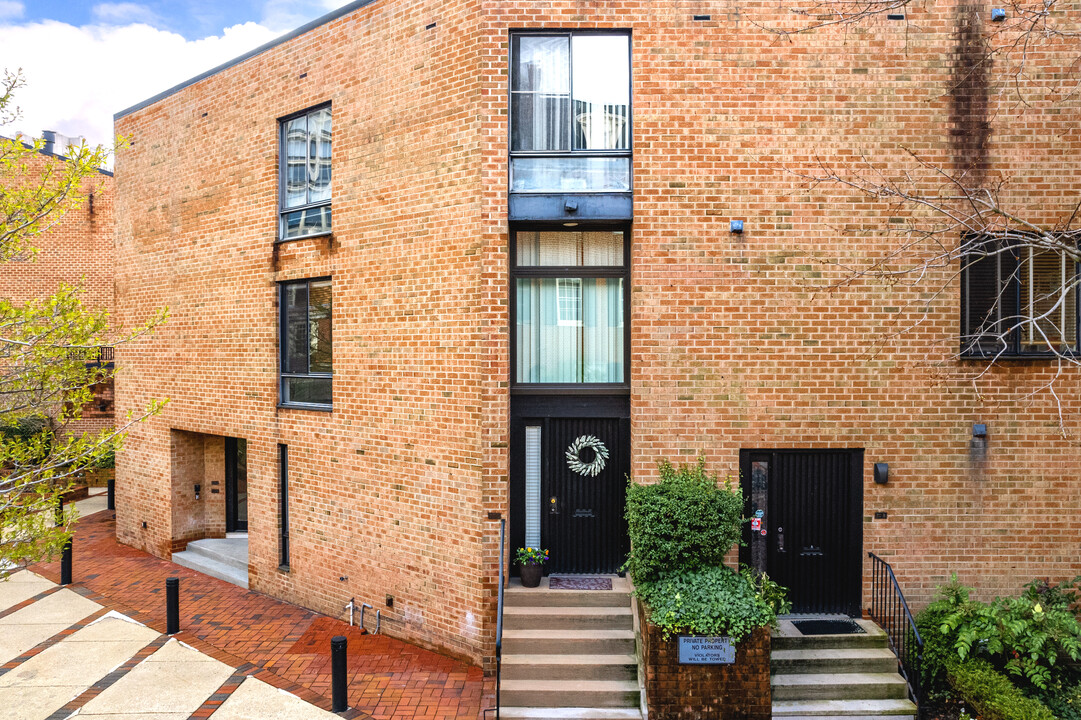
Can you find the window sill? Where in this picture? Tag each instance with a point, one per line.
(305, 406)
(1014, 356)
(313, 236)
(570, 389)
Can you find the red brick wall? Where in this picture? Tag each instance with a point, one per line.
(700, 692)
(737, 341)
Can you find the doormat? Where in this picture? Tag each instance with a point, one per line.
(828, 627)
(580, 583)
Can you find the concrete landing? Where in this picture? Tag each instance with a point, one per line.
(223, 558)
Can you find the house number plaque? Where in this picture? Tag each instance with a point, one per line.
(706, 651)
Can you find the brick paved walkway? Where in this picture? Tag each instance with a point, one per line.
(270, 639)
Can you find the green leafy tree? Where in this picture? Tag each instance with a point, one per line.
(47, 345)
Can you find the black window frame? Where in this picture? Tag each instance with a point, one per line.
(1005, 251)
(570, 271)
(282, 332)
(570, 152)
(282, 179)
(283, 499)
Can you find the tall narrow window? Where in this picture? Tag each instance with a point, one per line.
(569, 307)
(570, 112)
(283, 500)
(306, 343)
(305, 174)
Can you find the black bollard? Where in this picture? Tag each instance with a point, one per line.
(65, 563)
(172, 605)
(337, 673)
(111, 495)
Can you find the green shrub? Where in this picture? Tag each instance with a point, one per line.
(991, 694)
(712, 601)
(1064, 701)
(1027, 640)
(682, 523)
(107, 459)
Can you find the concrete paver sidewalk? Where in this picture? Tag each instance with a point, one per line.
(265, 646)
(97, 671)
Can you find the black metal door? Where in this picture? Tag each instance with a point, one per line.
(806, 511)
(582, 521)
(236, 485)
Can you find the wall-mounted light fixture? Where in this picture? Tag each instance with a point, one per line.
(198, 489)
(882, 473)
(979, 430)
(736, 227)
(998, 14)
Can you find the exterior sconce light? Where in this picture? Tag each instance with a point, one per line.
(998, 14)
(979, 430)
(198, 489)
(736, 227)
(882, 473)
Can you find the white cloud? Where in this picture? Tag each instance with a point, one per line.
(125, 13)
(78, 77)
(11, 10)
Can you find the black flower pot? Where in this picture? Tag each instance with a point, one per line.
(531, 574)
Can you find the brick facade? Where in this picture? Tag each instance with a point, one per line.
(737, 341)
(79, 250)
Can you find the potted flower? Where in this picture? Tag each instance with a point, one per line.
(531, 561)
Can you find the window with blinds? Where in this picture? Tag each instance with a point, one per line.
(1018, 299)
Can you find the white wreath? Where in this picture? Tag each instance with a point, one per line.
(574, 459)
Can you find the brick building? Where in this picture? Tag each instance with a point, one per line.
(78, 250)
(429, 264)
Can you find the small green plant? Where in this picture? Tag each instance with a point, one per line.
(712, 601)
(531, 556)
(686, 521)
(991, 694)
(1063, 700)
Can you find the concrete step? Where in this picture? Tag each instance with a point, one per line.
(517, 596)
(570, 693)
(564, 641)
(228, 551)
(831, 660)
(569, 667)
(539, 618)
(848, 709)
(788, 637)
(569, 713)
(838, 686)
(213, 568)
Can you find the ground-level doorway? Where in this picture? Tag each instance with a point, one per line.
(569, 466)
(805, 529)
(236, 485)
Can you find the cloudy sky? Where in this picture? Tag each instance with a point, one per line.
(84, 61)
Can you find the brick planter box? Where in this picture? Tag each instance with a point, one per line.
(697, 692)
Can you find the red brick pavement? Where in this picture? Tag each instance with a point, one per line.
(282, 644)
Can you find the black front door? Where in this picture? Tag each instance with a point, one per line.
(570, 491)
(805, 530)
(236, 485)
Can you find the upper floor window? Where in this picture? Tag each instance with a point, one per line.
(305, 174)
(306, 343)
(1018, 299)
(570, 112)
(570, 291)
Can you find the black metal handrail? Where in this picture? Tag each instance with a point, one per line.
(890, 610)
(499, 621)
(92, 355)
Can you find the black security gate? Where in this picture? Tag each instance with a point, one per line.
(805, 530)
(573, 504)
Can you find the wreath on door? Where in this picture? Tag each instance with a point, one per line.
(587, 456)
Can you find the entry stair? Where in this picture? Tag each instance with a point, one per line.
(837, 676)
(569, 654)
(223, 558)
